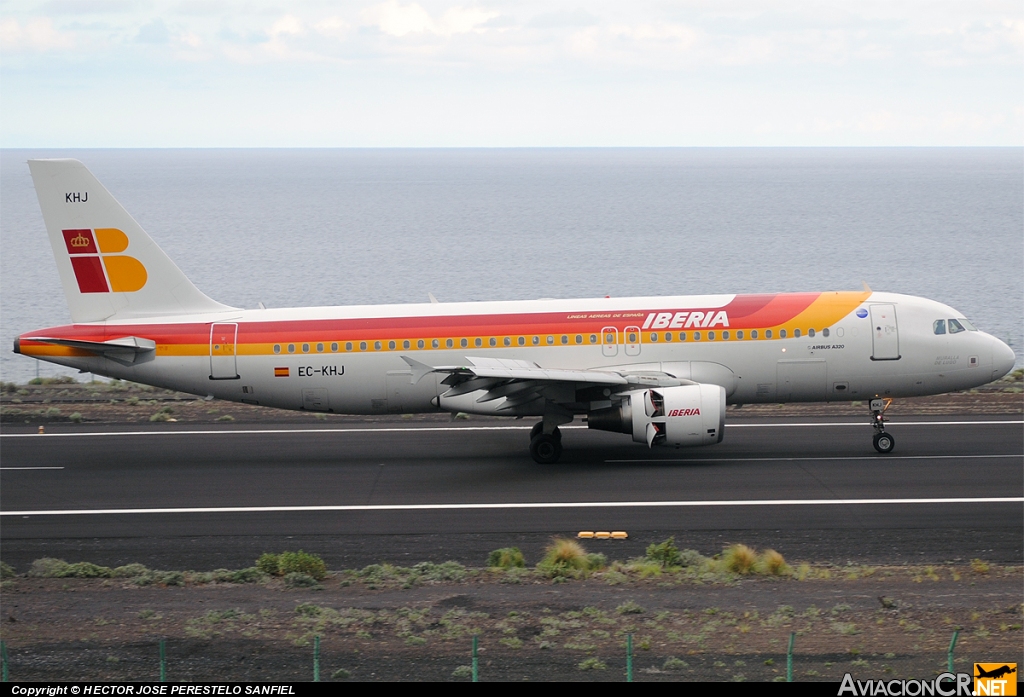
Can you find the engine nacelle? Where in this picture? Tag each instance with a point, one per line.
(681, 415)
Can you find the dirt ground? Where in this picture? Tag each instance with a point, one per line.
(875, 622)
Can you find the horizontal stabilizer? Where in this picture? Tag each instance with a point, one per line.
(126, 350)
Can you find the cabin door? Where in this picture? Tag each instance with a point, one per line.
(223, 364)
(885, 337)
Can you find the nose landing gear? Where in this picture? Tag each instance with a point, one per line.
(883, 442)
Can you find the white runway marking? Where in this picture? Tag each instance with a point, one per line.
(407, 429)
(874, 458)
(493, 506)
(30, 468)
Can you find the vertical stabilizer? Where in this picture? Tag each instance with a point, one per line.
(109, 267)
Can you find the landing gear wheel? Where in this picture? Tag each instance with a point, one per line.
(884, 442)
(545, 449)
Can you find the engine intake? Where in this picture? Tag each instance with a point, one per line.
(682, 415)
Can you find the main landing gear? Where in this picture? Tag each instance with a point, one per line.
(545, 448)
(883, 442)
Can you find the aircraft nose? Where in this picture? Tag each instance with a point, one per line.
(1003, 359)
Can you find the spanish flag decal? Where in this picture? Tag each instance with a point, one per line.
(281, 372)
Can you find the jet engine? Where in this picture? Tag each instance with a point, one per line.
(681, 415)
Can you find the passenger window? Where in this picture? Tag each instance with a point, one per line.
(824, 332)
(291, 348)
(632, 337)
(725, 335)
(277, 348)
(376, 346)
(405, 344)
(334, 347)
(767, 333)
(682, 336)
(319, 348)
(668, 336)
(362, 345)
(739, 334)
(579, 338)
(565, 339)
(449, 343)
(782, 333)
(493, 341)
(434, 343)
(419, 344)
(810, 333)
(536, 340)
(696, 336)
(955, 327)
(391, 345)
(508, 341)
(522, 341)
(464, 343)
(348, 345)
(478, 342)
(753, 333)
(796, 333)
(551, 340)
(593, 338)
(654, 337)
(305, 348)
(711, 336)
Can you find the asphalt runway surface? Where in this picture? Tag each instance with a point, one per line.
(173, 496)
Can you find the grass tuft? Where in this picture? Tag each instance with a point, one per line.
(739, 559)
(772, 563)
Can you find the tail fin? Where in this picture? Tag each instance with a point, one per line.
(109, 267)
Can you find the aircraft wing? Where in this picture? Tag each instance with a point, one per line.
(508, 369)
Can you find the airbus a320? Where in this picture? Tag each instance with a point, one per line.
(660, 369)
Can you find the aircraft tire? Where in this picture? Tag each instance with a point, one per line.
(545, 449)
(884, 442)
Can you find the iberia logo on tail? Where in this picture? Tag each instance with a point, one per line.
(98, 263)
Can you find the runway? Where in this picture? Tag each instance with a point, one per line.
(953, 489)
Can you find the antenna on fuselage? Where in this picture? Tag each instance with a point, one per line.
(433, 300)
(867, 287)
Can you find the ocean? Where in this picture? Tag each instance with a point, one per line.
(352, 226)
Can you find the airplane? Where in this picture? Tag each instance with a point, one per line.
(661, 369)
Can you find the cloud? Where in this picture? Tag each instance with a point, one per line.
(155, 32)
(34, 35)
(399, 20)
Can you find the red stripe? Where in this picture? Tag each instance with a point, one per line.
(89, 273)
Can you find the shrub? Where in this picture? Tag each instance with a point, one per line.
(76, 417)
(592, 664)
(47, 567)
(160, 416)
(302, 563)
(341, 674)
(665, 553)
(268, 564)
(463, 672)
(629, 608)
(673, 663)
(297, 579)
(445, 571)
(84, 569)
(308, 610)
(739, 559)
(691, 557)
(979, 567)
(506, 558)
(6, 570)
(249, 575)
(129, 571)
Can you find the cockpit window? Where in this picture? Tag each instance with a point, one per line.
(970, 327)
(939, 326)
(955, 327)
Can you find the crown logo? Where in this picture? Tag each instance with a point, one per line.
(80, 241)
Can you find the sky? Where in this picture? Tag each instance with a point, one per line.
(270, 73)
